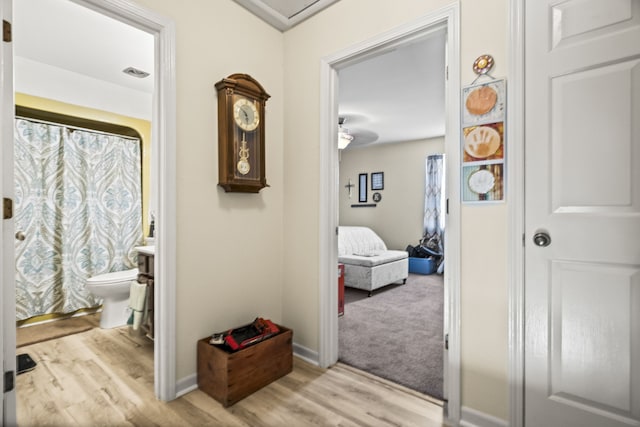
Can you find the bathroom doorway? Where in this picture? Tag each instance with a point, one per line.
(164, 142)
(73, 96)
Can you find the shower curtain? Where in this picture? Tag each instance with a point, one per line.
(78, 203)
(434, 219)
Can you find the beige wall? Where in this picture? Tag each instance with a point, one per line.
(484, 295)
(245, 255)
(484, 28)
(229, 245)
(398, 218)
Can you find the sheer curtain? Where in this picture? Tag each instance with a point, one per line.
(78, 203)
(434, 206)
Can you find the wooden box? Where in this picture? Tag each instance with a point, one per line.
(231, 376)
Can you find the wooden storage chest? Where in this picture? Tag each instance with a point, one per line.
(231, 376)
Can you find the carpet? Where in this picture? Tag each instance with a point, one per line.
(396, 334)
(27, 335)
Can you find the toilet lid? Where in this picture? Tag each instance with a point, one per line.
(116, 276)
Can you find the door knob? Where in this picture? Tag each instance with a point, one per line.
(541, 239)
(20, 235)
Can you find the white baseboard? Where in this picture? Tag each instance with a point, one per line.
(186, 385)
(306, 354)
(472, 418)
(190, 382)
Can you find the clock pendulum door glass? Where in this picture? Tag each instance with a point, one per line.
(243, 166)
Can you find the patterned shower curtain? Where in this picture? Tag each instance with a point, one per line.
(434, 218)
(78, 202)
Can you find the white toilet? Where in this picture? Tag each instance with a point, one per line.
(114, 289)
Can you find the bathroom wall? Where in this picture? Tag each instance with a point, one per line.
(143, 127)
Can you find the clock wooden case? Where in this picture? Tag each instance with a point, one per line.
(241, 142)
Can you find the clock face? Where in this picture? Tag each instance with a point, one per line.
(246, 114)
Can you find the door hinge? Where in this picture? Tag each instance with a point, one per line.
(9, 381)
(7, 208)
(446, 342)
(6, 31)
(447, 207)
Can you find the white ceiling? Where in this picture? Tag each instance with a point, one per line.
(69, 53)
(75, 38)
(393, 97)
(397, 96)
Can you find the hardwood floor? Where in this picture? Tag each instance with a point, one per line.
(105, 377)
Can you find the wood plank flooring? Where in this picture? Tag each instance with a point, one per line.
(105, 377)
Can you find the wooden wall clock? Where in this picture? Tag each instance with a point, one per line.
(241, 147)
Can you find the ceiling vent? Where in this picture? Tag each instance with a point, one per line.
(134, 72)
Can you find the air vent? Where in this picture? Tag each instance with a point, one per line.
(134, 72)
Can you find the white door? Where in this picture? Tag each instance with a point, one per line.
(7, 257)
(582, 188)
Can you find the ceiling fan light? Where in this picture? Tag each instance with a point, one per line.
(344, 139)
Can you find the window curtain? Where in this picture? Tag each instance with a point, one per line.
(78, 203)
(434, 209)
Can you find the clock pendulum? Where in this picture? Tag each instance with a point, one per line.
(243, 164)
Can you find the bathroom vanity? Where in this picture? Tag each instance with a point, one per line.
(145, 275)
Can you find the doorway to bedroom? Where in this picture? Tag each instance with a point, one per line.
(391, 109)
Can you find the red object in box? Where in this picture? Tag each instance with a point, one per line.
(340, 289)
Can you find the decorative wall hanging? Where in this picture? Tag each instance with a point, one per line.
(377, 180)
(363, 192)
(349, 187)
(483, 136)
(362, 188)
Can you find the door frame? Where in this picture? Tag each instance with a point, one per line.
(7, 242)
(515, 194)
(163, 172)
(447, 17)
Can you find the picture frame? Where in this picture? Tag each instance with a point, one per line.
(483, 182)
(494, 112)
(362, 188)
(377, 180)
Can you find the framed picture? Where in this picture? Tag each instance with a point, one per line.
(377, 180)
(484, 103)
(483, 182)
(483, 142)
(362, 188)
